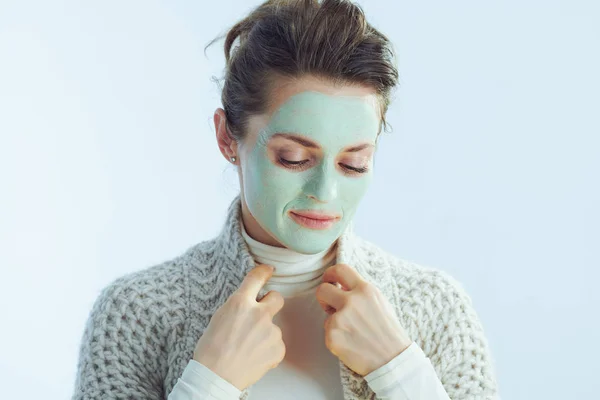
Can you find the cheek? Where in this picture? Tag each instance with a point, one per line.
(270, 184)
(353, 190)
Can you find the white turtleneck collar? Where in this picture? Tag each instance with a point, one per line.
(295, 273)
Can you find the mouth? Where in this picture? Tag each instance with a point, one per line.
(314, 219)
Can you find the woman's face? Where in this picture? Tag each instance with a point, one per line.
(306, 164)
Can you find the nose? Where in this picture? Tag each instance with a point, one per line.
(322, 185)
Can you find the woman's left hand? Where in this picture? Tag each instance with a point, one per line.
(362, 329)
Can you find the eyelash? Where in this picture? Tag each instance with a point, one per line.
(299, 164)
(361, 170)
(292, 164)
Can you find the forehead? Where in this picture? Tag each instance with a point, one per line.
(331, 119)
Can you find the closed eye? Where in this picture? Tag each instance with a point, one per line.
(292, 164)
(300, 164)
(361, 170)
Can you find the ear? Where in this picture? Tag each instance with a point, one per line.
(227, 144)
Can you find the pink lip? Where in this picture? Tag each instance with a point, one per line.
(313, 219)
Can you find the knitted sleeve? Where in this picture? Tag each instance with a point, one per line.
(458, 348)
(119, 354)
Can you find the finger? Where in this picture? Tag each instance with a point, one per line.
(344, 274)
(328, 309)
(273, 301)
(255, 280)
(329, 295)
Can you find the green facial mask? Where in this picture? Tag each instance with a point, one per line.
(271, 190)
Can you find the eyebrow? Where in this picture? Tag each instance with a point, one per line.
(358, 148)
(309, 143)
(298, 139)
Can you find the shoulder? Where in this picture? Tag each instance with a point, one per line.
(426, 297)
(154, 294)
(156, 290)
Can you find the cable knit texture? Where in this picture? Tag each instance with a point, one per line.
(143, 327)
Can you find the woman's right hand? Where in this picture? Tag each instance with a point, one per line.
(241, 343)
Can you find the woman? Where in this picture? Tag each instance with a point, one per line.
(304, 99)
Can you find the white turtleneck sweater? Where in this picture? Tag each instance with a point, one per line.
(309, 370)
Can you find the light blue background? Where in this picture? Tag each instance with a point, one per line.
(108, 164)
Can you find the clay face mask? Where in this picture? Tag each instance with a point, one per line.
(302, 161)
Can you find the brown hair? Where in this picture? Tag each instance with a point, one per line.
(291, 38)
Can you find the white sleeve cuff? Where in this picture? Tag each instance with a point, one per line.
(408, 376)
(403, 362)
(199, 382)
